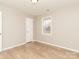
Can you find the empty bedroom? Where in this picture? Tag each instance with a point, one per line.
(39, 29)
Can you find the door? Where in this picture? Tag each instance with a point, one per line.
(29, 29)
(0, 31)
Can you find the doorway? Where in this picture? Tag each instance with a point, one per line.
(0, 31)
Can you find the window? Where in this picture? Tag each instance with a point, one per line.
(47, 25)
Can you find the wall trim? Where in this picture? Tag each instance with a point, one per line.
(73, 50)
(13, 46)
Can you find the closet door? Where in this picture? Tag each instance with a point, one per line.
(29, 29)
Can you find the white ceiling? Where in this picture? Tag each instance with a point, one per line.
(41, 8)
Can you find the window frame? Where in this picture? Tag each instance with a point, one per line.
(51, 25)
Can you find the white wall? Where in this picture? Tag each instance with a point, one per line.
(13, 27)
(66, 28)
(38, 31)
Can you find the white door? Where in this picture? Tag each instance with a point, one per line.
(29, 29)
(0, 31)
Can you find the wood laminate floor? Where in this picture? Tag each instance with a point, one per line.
(37, 50)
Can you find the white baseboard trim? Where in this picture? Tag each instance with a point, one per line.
(44, 43)
(13, 46)
(77, 51)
